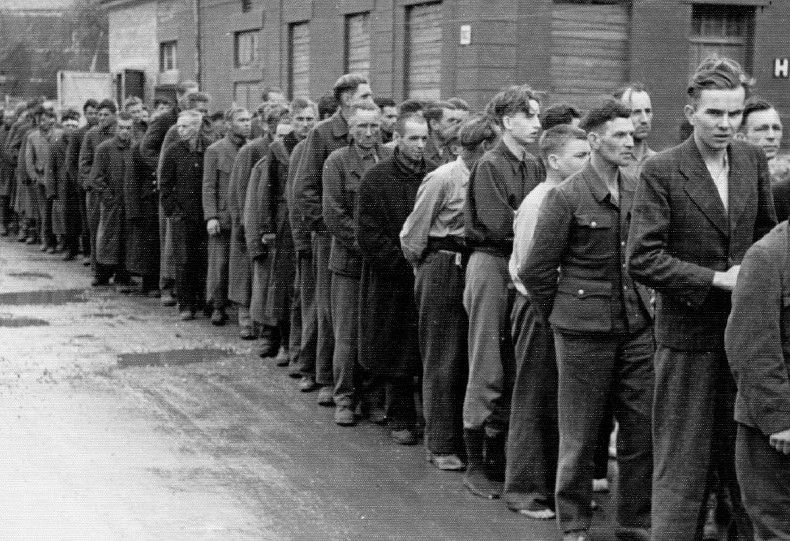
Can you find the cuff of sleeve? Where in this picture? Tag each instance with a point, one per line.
(696, 298)
(774, 417)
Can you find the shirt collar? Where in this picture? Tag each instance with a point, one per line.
(519, 154)
(461, 164)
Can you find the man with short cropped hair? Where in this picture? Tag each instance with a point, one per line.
(432, 240)
(218, 163)
(558, 114)
(349, 90)
(499, 182)
(635, 97)
(533, 435)
(388, 315)
(699, 206)
(343, 170)
(441, 116)
(37, 157)
(389, 116)
(575, 275)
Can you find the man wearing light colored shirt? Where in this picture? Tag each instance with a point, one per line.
(533, 437)
(432, 239)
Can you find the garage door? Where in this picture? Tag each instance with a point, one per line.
(589, 50)
(299, 72)
(423, 51)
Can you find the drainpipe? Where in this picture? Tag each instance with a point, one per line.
(198, 31)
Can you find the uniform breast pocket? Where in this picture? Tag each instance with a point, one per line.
(582, 305)
(593, 234)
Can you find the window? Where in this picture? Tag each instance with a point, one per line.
(246, 5)
(423, 51)
(723, 29)
(167, 55)
(589, 49)
(299, 60)
(246, 48)
(247, 94)
(358, 43)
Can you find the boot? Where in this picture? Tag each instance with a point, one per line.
(477, 478)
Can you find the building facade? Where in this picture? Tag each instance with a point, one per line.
(573, 50)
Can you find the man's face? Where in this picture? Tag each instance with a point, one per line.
(70, 125)
(716, 116)
(303, 121)
(124, 129)
(241, 124)
(104, 116)
(362, 95)
(641, 114)
(412, 142)
(454, 117)
(571, 158)
(161, 109)
(91, 116)
(46, 122)
(524, 128)
(201, 107)
(389, 116)
(614, 141)
(188, 127)
(282, 129)
(366, 128)
(764, 129)
(136, 110)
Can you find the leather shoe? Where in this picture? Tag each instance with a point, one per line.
(96, 282)
(167, 298)
(307, 384)
(268, 348)
(404, 436)
(218, 317)
(69, 256)
(344, 416)
(325, 396)
(446, 462)
(246, 333)
(187, 315)
(282, 357)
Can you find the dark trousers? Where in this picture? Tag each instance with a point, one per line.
(443, 325)
(84, 228)
(593, 370)
(306, 271)
(190, 241)
(45, 216)
(295, 315)
(400, 406)
(93, 209)
(168, 261)
(217, 274)
(488, 298)
(322, 245)
(694, 436)
(764, 475)
(533, 436)
(345, 316)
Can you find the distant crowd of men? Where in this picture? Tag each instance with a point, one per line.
(516, 287)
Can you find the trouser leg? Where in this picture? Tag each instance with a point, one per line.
(443, 326)
(764, 475)
(345, 293)
(295, 338)
(631, 401)
(45, 215)
(309, 318)
(487, 300)
(533, 434)
(689, 399)
(323, 298)
(217, 275)
(601, 456)
(585, 374)
(167, 250)
(401, 411)
(93, 208)
(190, 238)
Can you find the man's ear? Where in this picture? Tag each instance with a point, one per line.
(552, 161)
(689, 111)
(594, 138)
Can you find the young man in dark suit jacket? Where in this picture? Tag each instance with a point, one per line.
(699, 206)
(575, 275)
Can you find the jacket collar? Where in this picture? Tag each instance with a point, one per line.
(701, 189)
(339, 125)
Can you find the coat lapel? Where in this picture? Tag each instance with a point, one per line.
(741, 183)
(700, 188)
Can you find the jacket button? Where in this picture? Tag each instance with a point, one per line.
(593, 224)
(581, 292)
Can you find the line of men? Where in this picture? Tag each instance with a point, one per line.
(420, 267)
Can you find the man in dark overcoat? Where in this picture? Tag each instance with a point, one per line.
(181, 196)
(107, 183)
(388, 314)
(216, 175)
(699, 206)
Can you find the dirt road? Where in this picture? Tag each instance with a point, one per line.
(119, 422)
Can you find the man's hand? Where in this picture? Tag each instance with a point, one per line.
(268, 239)
(781, 441)
(726, 280)
(212, 226)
